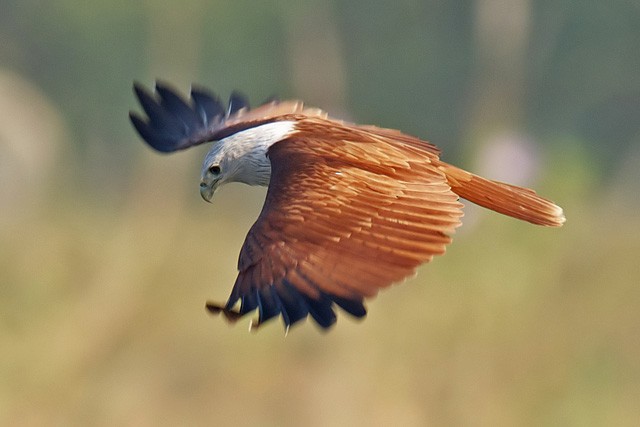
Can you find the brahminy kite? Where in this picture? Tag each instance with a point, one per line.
(350, 209)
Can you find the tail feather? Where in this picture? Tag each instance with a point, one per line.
(511, 200)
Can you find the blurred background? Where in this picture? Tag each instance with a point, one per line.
(108, 254)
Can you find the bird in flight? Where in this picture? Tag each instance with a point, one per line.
(350, 209)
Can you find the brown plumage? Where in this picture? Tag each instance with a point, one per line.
(349, 209)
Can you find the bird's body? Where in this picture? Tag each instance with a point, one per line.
(350, 209)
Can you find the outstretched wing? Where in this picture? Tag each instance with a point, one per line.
(345, 215)
(173, 124)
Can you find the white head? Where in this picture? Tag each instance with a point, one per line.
(242, 157)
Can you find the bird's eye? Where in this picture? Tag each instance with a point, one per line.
(214, 170)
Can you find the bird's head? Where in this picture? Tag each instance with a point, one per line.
(241, 136)
(218, 168)
(211, 179)
(242, 157)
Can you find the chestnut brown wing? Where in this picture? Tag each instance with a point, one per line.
(347, 212)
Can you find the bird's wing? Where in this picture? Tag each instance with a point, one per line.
(173, 124)
(344, 216)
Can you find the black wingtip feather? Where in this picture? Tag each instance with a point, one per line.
(237, 101)
(269, 305)
(321, 311)
(156, 140)
(249, 302)
(294, 305)
(231, 315)
(164, 124)
(171, 101)
(354, 307)
(173, 123)
(291, 304)
(206, 104)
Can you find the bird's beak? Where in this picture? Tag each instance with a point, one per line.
(207, 190)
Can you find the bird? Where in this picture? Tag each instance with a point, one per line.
(349, 209)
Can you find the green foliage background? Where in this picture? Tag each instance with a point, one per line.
(107, 253)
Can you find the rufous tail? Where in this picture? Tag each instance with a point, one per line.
(511, 200)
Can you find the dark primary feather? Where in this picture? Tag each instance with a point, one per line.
(206, 105)
(174, 124)
(171, 101)
(237, 101)
(291, 304)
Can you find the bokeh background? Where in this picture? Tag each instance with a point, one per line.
(107, 252)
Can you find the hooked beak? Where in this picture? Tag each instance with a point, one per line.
(207, 190)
